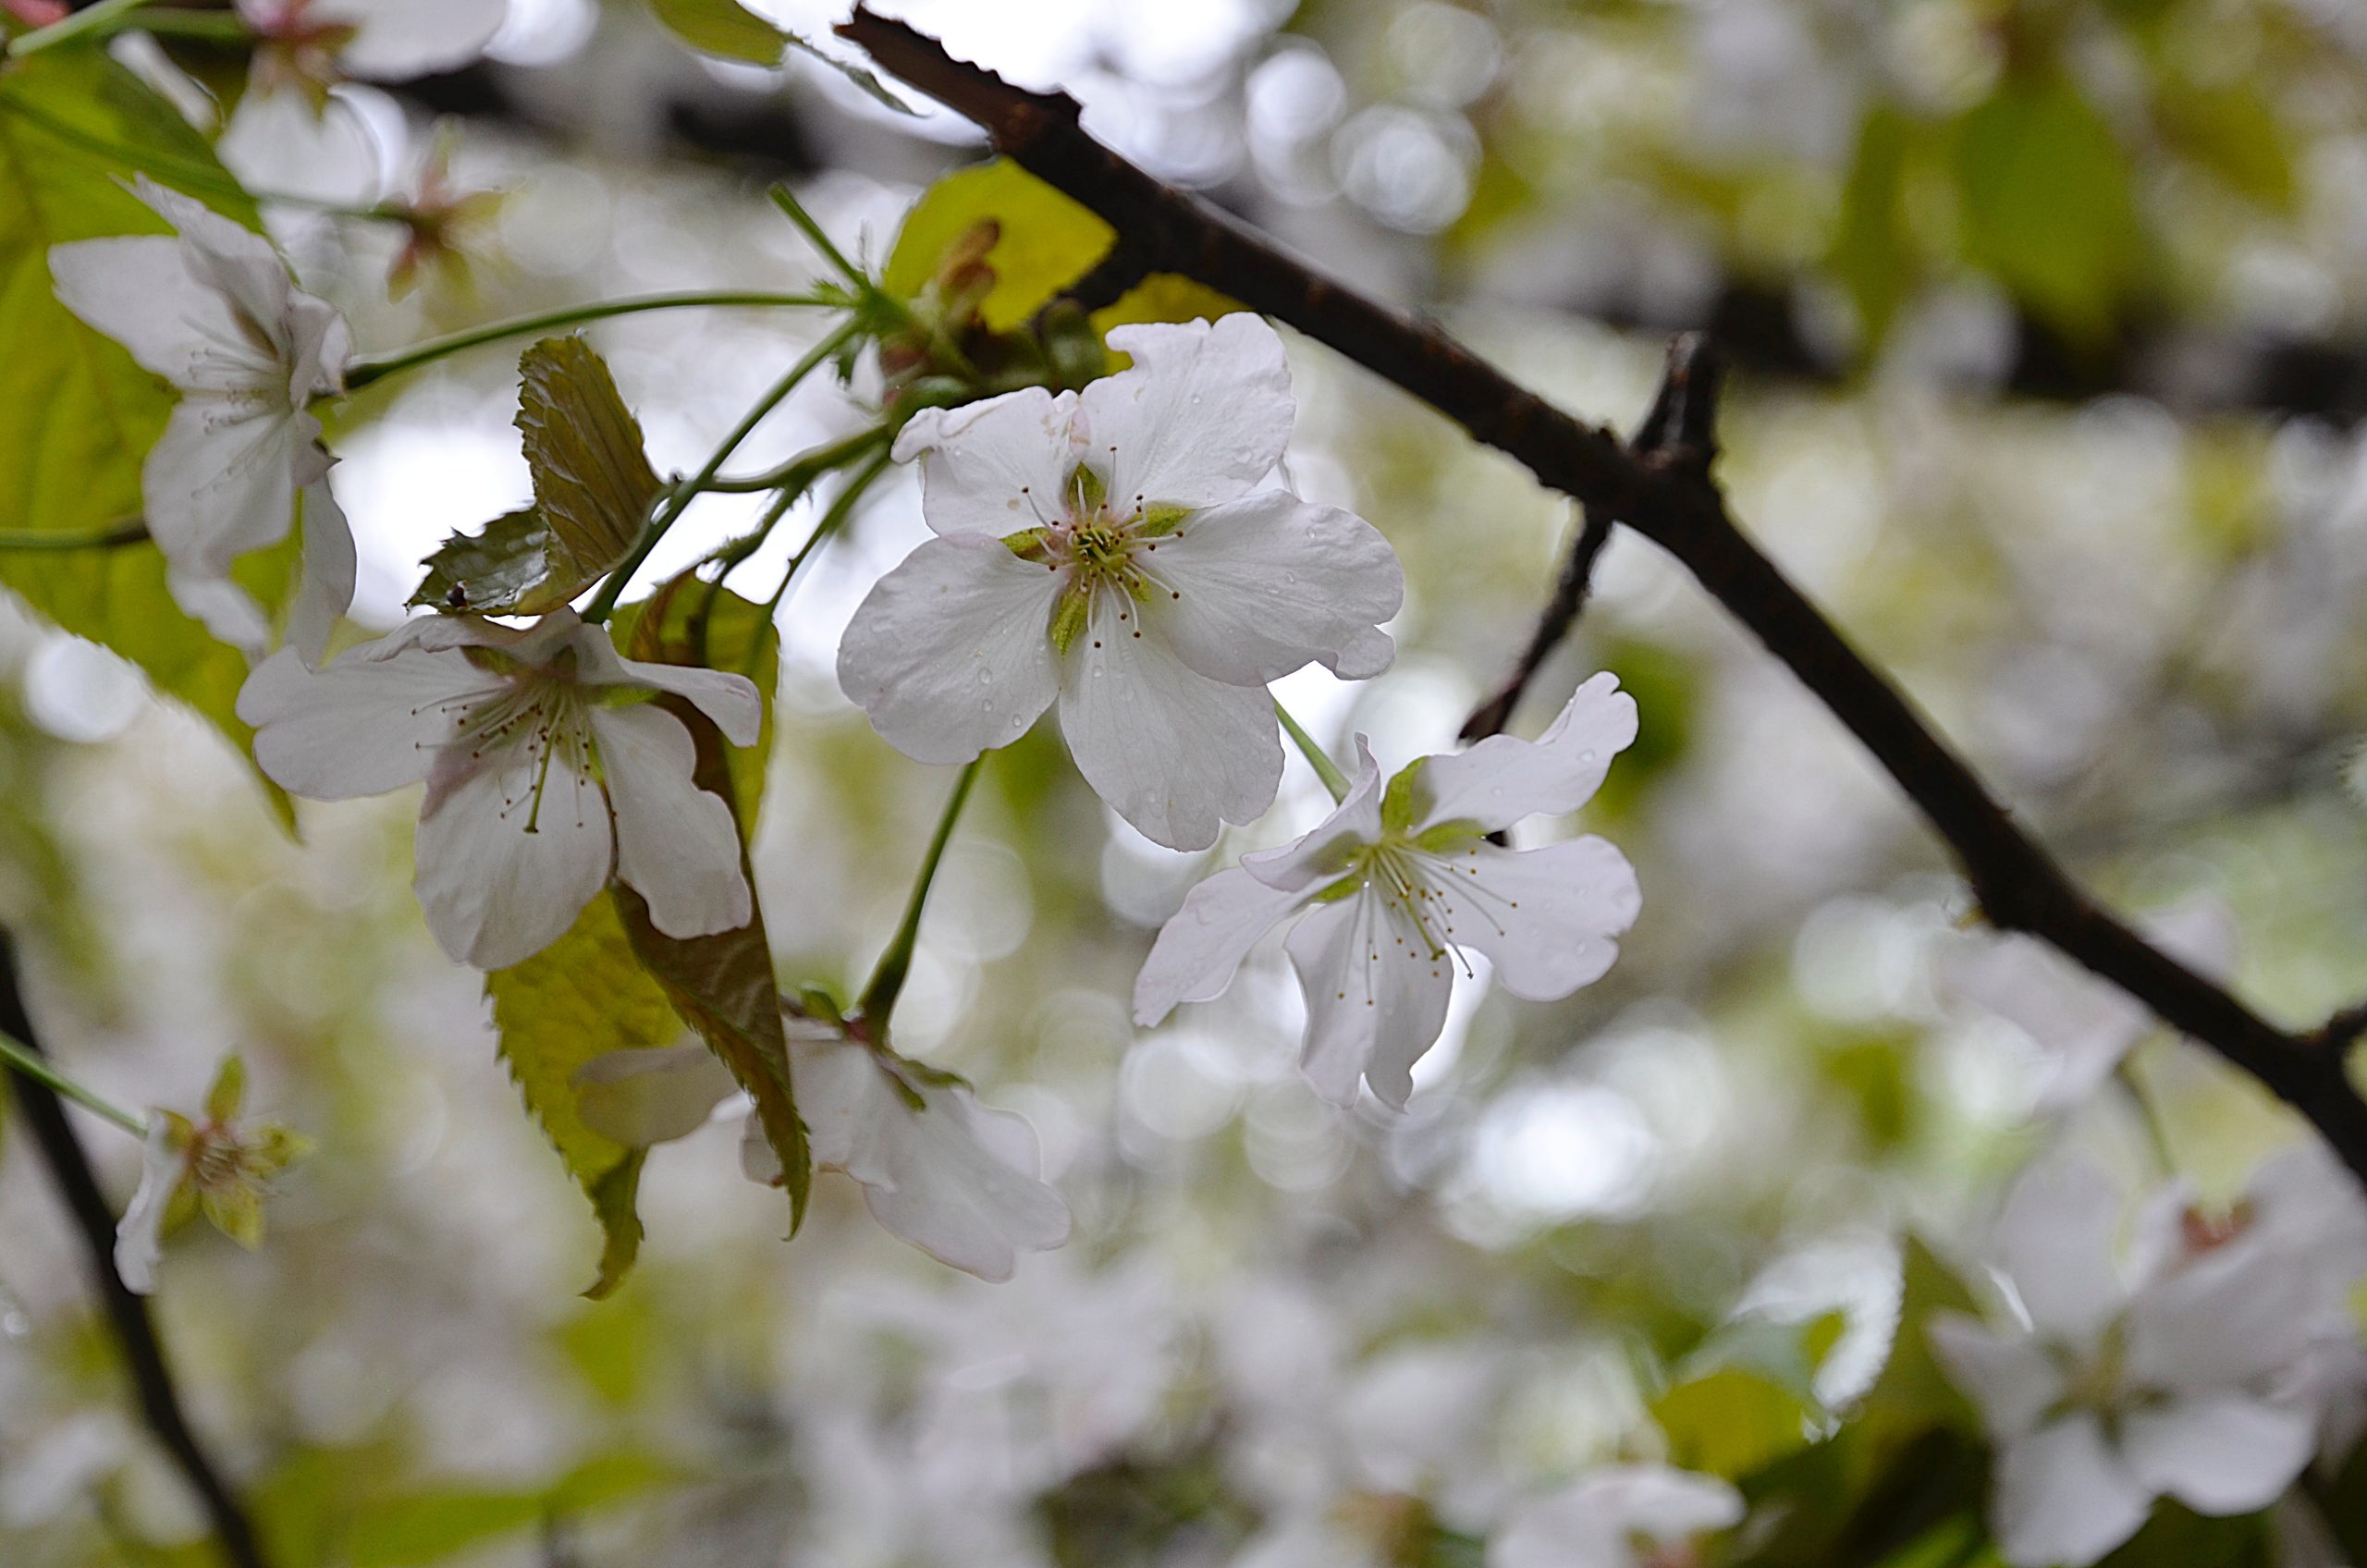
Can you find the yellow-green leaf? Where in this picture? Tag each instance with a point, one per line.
(583, 997)
(1046, 240)
(80, 414)
(1164, 295)
(2048, 206)
(722, 27)
(506, 568)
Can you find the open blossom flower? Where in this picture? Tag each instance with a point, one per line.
(1397, 884)
(214, 311)
(1624, 1516)
(547, 766)
(316, 44)
(1103, 549)
(2085, 1027)
(218, 1167)
(2173, 1365)
(958, 1179)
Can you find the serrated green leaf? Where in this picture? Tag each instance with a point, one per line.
(724, 27)
(1044, 242)
(855, 73)
(583, 997)
(593, 482)
(81, 413)
(499, 570)
(723, 985)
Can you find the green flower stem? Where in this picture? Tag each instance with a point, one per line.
(108, 16)
(878, 999)
(377, 367)
(1316, 758)
(871, 293)
(113, 537)
(35, 1066)
(841, 507)
(681, 495)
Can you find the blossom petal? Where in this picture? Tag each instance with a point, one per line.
(1590, 1521)
(730, 699)
(639, 1098)
(139, 290)
(325, 591)
(1503, 778)
(2057, 1239)
(1327, 852)
(139, 1235)
(223, 609)
(951, 654)
(1171, 751)
(2227, 1318)
(1545, 917)
(413, 37)
(2013, 1380)
(1204, 413)
(222, 479)
(358, 727)
(229, 259)
(1204, 942)
(501, 876)
(994, 467)
(1375, 998)
(2062, 1497)
(677, 845)
(1252, 590)
(2219, 1453)
(955, 1178)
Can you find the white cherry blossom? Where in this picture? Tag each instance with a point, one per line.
(547, 768)
(1104, 550)
(2152, 1364)
(323, 41)
(213, 311)
(2084, 1026)
(1397, 886)
(1601, 1519)
(959, 1180)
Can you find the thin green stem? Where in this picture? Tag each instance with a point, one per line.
(377, 367)
(788, 202)
(878, 999)
(841, 508)
(946, 351)
(113, 537)
(680, 497)
(38, 1067)
(106, 16)
(1316, 758)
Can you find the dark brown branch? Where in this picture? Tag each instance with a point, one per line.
(127, 1314)
(2019, 884)
(1679, 431)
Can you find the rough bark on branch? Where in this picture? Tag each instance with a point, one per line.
(2018, 884)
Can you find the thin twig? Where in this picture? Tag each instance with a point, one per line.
(2019, 884)
(152, 1376)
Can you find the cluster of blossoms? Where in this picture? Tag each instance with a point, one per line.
(1113, 551)
(1118, 553)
